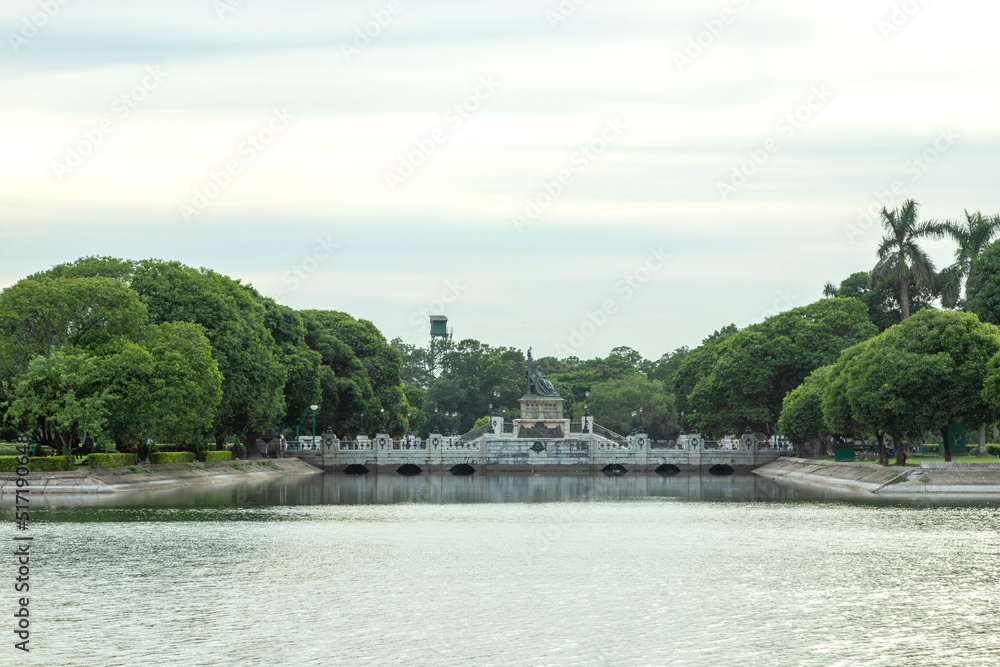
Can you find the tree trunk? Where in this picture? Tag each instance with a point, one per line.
(904, 299)
(882, 458)
(996, 434)
(982, 440)
(901, 450)
(945, 444)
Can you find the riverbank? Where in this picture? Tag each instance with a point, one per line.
(146, 476)
(955, 478)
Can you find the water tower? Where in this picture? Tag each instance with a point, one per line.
(439, 327)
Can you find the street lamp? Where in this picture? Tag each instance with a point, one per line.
(314, 408)
(490, 420)
(640, 420)
(382, 419)
(633, 422)
(435, 429)
(586, 412)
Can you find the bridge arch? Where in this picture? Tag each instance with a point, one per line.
(462, 469)
(720, 469)
(356, 469)
(409, 469)
(667, 469)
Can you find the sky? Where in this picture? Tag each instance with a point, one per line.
(571, 176)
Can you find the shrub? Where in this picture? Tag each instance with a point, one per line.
(239, 450)
(171, 457)
(111, 460)
(35, 463)
(170, 448)
(208, 456)
(932, 449)
(993, 450)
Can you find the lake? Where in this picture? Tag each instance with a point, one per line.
(507, 570)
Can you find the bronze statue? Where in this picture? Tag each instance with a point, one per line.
(538, 384)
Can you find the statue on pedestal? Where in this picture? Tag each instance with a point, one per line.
(538, 384)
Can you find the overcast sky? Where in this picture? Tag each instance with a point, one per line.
(569, 176)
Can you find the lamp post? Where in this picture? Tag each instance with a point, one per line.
(640, 420)
(586, 412)
(633, 422)
(489, 420)
(382, 419)
(363, 423)
(435, 429)
(314, 408)
(682, 422)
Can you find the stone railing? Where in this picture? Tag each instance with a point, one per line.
(471, 435)
(610, 435)
(413, 443)
(348, 445)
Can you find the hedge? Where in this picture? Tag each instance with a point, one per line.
(171, 457)
(111, 460)
(36, 463)
(209, 456)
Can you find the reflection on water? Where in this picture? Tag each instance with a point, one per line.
(509, 570)
(385, 489)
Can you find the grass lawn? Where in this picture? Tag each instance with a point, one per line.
(913, 461)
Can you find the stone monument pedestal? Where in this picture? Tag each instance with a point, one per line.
(541, 417)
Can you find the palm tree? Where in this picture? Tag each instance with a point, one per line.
(900, 259)
(972, 235)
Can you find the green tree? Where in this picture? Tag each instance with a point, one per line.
(837, 413)
(696, 366)
(668, 365)
(801, 417)
(233, 318)
(37, 316)
(972, 235)
(63, 394)
(923, 375)
(381, 362)
(186, 382)
(755, 368)
(881, 299)
(900, 259)
(470, 373)
(613, 402)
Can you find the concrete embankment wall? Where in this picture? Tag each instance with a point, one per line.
(145, 476)
(827, 474)
(972, 479)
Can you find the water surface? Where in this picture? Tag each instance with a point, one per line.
(510, 570)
